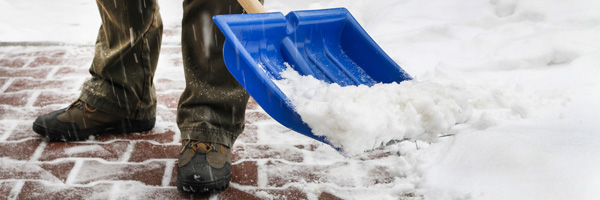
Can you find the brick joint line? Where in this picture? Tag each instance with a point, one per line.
(38, 152)
(261, 179)
(74, 172)
(28, 62)
(127, 154)
(31, 100)
(8, 132)
(170, 164)
(52, 72)
(7, 84)
(16, 190)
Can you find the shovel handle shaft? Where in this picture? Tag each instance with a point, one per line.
(252, 6)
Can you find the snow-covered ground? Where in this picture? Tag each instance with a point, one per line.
(525, 73)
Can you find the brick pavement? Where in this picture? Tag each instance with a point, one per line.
(38, 78)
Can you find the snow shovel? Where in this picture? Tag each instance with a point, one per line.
(328, 44)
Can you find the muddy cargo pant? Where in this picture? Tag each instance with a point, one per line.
(212, 106)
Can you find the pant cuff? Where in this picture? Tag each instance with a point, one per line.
(107, 105)
(208, 135)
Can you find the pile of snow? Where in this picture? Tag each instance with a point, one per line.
(360, 118)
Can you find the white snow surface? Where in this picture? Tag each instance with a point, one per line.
(513, 82)
(361, 118)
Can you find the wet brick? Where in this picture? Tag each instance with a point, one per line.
(15, 99)
(54, 172)
(110, 151)
(245, 173)
(143, 151)
(24, 84)
(150, 173)
(37, 73)
(18, 150)
(13, 62)
(44, 190)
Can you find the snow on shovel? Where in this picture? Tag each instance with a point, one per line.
(328, 44)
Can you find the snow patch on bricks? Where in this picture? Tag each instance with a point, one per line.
(149, 173)
(43, 190)
(13, 169)
(84, 149)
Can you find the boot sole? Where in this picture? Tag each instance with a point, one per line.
(196, 187)
(124, 126)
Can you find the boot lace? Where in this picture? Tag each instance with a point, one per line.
(204, 147)
(80, 104)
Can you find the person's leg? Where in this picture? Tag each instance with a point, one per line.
(125, 60)
(120, 94)
(212, 107)
(213, 104)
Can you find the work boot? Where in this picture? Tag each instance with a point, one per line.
(203, 167)
(80, 120)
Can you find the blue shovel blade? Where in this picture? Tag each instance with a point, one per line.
(328, 44)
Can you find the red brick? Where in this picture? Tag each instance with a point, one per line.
(23, 131)
(235, 194)
(55, 98)
(3, 81)
(150, 173)
(19, 113)
(80, 62)
(55, 172)
(378, 175)
(164, 84)
(54, 53)
(177, 61)
(137, 191)
(171, 32)
(266, 152)
(169, 99)
(166, 114)
(59, 170)
(13, 62)
(145, 150)
(43, 190)
(82, 51)
(311, 147)
(111, 151)
(18, 150)
(252, 105)
(256, 116)
(328, 196)
(22, 84)
(67, 72)
(15, 99)
(45, 61)
(376, 154)
(5, 129)
(37, 73)
(36, 51)
(5, 188)
(249, 135)
(245, 173)
(279, 174)
(170, 50)
(173, 180)
(160, 136)
(287, 193)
